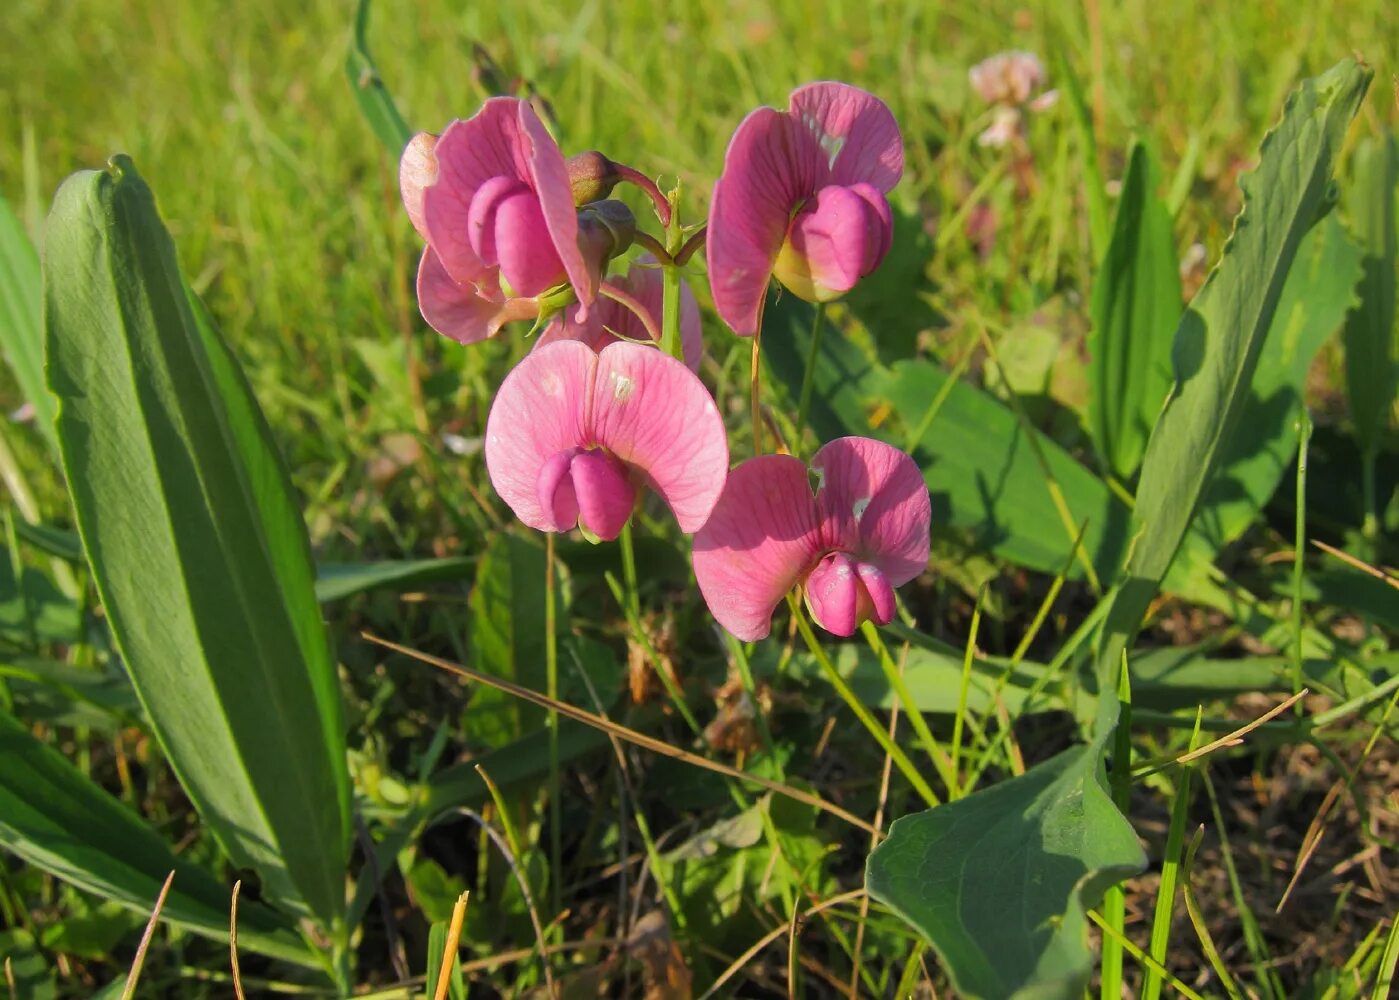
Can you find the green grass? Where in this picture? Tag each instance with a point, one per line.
(285, 210)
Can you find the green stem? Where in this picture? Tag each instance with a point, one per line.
(745, 673)
(809, 376)
(629, 570)
(551, 684)
(915, 715)
(1304, 433)
(879, 733)
(1115, 900)
(670, 287)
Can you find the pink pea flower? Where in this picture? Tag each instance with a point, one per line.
(802, 198)
(863, 533)
(492, 198)
(1009, 80)
(574, 433)
(610, 321)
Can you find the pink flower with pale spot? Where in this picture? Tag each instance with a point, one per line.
(863, 533)
(493, 200)
(802, 198)
(609, 321)
(574, 433)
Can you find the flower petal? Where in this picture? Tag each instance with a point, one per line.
(654, 414)
(770, 168)
(757, 544)
(836, 240)
(548, 176)
(856, 132)
(874, 504)
(417, 170)
(461, 310)
(834, 593)
(605, 496)
(469, 154)
(538, 412)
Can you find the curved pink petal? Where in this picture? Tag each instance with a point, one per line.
(856, 132)
(758, 543)
(470, 153)
(605, 494)
(461, 310)
(881, 594)
(836, 240)
(874, 504)
(417, 170)
(770, 168)
(653, 413)
(538, 412)
(528, 261)
(548, 176)
(835, 595)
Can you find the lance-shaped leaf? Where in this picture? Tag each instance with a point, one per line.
(1136, 306)
(1217, 345)
(55, 818)
(196, 545)
(21, 318)
(1320, 288)
(999, 882)
(1372, 353)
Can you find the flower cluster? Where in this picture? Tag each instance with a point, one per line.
(1010, 82)
(609, 404)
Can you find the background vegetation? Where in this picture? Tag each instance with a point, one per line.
(285, 211)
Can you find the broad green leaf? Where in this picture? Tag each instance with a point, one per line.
(1220, 337)
(891, 303)
(21, 318)
(197, 548)
(1320, 288)
(1136, 306)
(1372, 339)
(337, 581)
(375, 102)
(508, 637)
(847, 375)
(999, 881)
(985, 478)
(55, 818)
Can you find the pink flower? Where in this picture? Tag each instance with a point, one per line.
(1008, 80)
(574, 433)
(863, 533)
(609, 321)
(802, 197)
(492, 198)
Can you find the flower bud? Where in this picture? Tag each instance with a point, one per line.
(592, 177)
(605, 229)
